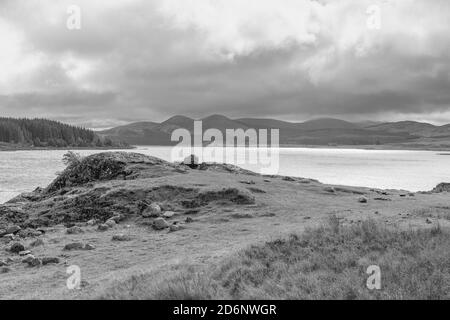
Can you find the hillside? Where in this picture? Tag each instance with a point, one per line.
(319, 132)
(42, 133)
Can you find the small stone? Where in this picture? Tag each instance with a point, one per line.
(3, 263)
(91, 222)
(189, 220)
(24, 253)
(37, 242)
(9, 237)
(73, 246)
(168, 214)
(362, 200)
(13, 229)
(17, 247)
(28, 258)
(121, 237)
(88, 246)
(103, 227)
(49, 260)
(152, 211)
(110, 223)
(429, 221)
(74, 230)
(116, 218)
(160, 223)
(329, 189)
(34, 262)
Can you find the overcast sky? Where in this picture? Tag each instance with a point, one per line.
(138, 60)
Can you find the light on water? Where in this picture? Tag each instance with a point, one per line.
(23, 171)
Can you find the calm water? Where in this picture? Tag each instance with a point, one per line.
(22, 171)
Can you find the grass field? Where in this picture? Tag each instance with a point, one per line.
(328, 262)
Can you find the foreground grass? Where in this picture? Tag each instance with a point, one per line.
(329, 262)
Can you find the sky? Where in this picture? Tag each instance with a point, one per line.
(136, 60)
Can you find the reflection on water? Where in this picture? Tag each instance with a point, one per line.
(22, 171)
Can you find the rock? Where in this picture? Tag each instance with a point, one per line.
(37, 242)
(74, 230)
(2, 232)
(160, 223)
(429, 221)
(13, 229)
(3, 263)
(116, 218)
(191, 161)
(103, 227)
(17, 247)
(28, 258)
(34, 262)
(288, 178)
(267, 180)
(49, 260)
(189, 220)
(88, 246)
(362, 199)
(110, 223)
(329, 189)
(152, 211)
(121, 237)
(5, 270)
(74, 246)
(168, 214)
(91, 222)
(24, 253)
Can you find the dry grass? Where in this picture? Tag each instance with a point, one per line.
(328, 262)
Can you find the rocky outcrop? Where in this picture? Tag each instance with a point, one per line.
(442, 187)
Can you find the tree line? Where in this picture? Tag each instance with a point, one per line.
(49, 133)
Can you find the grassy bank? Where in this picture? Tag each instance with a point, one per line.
(329, 262)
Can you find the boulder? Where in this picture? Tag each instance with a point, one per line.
(174, 227)
(49, 260)
(121, 237)
(74, 230)
(110, 223)
(13, 230)
(160, 223)
(362, 199)
(74, 246)
(24, 253)
(329, 189)
(103, 227)
(152, 211)
(17, 247)
(189, 220)
(168, 214)
(88, 246)
(91, 222)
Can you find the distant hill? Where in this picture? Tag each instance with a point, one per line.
(47, 133)
(325, 131)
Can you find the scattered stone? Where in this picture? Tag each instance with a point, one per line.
(50, 260)
(152, 211)
(247, 182)
(74, 246)
(17, 247)
(37, 242)
(74, 230)
(24, 253)
(189, 220)
(168, 214)
(91, 222)
(160, 223)
(88, 246)
(362, 199)
(329, 189)
(103, 227)
(13, 230)
(429, 221)
(121, 237)
(5, 270)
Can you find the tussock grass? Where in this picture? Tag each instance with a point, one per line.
(328, 262)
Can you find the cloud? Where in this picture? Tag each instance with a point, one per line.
(294, 59)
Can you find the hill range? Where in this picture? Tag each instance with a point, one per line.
(319, 132)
